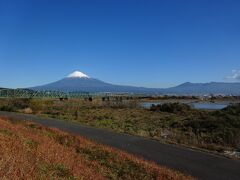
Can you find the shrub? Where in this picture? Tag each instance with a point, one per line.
(170, 107)
(27, 111)
(7, 108)
(232, 109)
(15, 104)
(20, 103)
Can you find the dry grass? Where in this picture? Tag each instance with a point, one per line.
(30, 151)
(216, 131)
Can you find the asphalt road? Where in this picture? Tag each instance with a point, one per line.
(198, 164)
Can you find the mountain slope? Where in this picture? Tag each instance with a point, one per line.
(205, 88)
(78, 81)
(72, 84)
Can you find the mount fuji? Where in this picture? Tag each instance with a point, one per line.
(80, 82)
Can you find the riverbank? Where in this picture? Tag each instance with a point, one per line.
(30, 151)
(216, 131)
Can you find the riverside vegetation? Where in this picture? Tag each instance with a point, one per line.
(172, 122)
(30, 151)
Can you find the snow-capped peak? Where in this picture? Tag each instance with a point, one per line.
(78, 74)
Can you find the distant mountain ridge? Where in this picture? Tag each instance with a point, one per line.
(206, 88)
(78, 81)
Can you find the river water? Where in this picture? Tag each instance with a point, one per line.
(198, 105)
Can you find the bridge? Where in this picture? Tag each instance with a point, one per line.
(28, 93)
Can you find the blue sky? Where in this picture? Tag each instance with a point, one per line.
(152, 43)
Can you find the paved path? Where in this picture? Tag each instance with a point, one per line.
(198, 164)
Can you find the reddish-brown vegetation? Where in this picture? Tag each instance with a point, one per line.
(30, 151)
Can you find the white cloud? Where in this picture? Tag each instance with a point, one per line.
(235, 75)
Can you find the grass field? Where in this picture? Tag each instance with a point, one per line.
(175, 123)
(30, 151)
